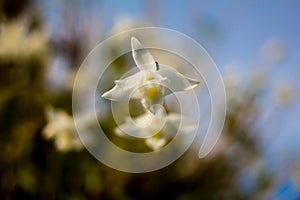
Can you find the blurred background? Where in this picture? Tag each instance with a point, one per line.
(255, 44)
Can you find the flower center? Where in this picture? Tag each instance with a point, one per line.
(156, 133)
(152, 92)
(149, 76)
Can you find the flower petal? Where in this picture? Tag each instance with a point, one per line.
(139, 127)
(126, 89)
(142, 57)
(175, 81)
(186, 125)
(176, 123)
(155, 143)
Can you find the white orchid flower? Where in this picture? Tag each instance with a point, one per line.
(151, 83)
(157, 129)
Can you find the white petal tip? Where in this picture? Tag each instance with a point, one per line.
(135, 43)
(155, 144)
(118, 81)
(106, 95)
(118, 132)
(133, 39)
(194, 83)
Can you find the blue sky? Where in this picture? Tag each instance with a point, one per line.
(244, 25)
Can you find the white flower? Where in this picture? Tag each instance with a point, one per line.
(284, 94)
(274, 50)
(61, 128)
(151, 83)
(157, 129)
(17, 43)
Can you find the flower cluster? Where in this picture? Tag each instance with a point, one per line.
(150, 85)
(18, 44)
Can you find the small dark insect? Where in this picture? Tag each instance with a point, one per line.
(157, 65)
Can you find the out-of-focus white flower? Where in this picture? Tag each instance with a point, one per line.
(123, 23)
(61, 128)
(16, 43)
(273, 50)
(157, 129)
(284, 94)
(151, 83)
